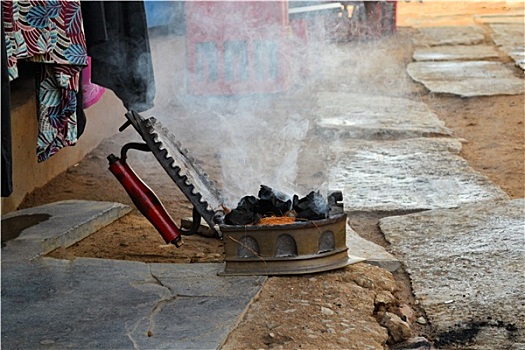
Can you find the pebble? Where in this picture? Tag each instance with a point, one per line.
(327, 311)
(421, 320)
(384, 297)
(271, 325)
(398, 330)
(342, 340)
(406, 311)
(416, 343)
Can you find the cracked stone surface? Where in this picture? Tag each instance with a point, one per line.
(119, 304)
(434, 36)
(466, 79)
(459, 52)
(111, 304)
(412, 174)
(365, 116)
(510, 39)
(466, 267)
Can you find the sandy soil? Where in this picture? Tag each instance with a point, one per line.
(338, 309)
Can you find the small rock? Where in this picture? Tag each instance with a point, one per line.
(342, 340)
(421, 320)
(398, 330)
(327, 311)
(272, 335)
(365, 282)
(406, 313)
(385, 297)
(416, 343)
(47, 342)
(271, 325)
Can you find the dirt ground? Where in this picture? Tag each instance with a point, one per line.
(338, 309)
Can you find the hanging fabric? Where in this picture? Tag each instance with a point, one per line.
(51, 33)
(91, 92)
(118, 44)
(7, 167)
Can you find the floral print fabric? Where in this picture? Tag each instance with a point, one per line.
(49, 32)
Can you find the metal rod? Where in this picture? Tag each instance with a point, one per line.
(133, 145)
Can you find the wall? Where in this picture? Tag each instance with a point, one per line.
(103, 120)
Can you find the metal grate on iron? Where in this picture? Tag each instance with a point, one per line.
(182, 168)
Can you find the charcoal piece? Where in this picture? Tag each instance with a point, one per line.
(244, 214)
(311, 207)
(273, 202)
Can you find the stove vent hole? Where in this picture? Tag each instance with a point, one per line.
(326, 242)
(248, 247)
(285, 246)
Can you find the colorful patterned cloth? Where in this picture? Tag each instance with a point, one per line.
(49, 32)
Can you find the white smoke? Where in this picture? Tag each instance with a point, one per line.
(252, 139)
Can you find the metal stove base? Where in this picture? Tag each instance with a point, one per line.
(298, 248)
(266, 267)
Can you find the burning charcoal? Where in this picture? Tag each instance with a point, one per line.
(311, 207)
(244, 214)
(272, 202)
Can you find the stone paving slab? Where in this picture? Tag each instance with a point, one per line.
(371, 253)
(466, 79)
(364, 116)
(434, 36)
(511, 40)
(413, 174)
(108, 304)
(459, 52)
(41, 229)
(466, 267)
(111, 304)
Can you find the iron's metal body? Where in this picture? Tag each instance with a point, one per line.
(297, 248)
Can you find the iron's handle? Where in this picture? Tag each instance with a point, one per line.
(145, 200)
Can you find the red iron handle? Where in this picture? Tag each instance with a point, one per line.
(145, 200)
